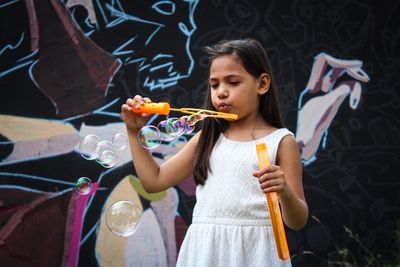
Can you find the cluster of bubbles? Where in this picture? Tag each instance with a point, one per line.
(151, 136)
(123, 217)
(92, 147)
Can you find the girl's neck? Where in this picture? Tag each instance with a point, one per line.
(247, 129)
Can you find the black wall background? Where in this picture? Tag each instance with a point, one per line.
(352, 189)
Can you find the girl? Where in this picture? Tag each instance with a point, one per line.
(231, 225)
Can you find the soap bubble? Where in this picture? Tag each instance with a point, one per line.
(107, 159)
(120, 141)
(193, 119)
(177, 126)
(88, 146)
(123, 218)
(163, 127)
(83, 186)
(149, 137)
(103, 145)
(171, 128)
(188, 128)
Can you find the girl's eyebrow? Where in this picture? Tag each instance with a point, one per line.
(226, 77)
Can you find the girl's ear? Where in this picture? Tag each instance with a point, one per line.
(264, 83)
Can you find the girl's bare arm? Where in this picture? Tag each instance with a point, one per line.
(293, 203)
(155, 178)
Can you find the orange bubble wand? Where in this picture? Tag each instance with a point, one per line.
(164, 108)
(274, 210)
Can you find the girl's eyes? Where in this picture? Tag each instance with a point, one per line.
(232, 83)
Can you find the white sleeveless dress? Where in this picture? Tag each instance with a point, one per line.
(231, 225)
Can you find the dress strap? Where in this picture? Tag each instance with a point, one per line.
(273, 141)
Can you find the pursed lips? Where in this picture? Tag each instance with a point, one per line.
(223, 107)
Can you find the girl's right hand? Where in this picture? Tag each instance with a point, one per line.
(134, 121)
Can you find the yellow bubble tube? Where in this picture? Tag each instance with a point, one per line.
(274, 209)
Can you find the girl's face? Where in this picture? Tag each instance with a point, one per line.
(233, 89)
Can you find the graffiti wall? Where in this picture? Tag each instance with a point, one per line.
(66, 67)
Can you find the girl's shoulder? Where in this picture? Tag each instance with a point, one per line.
(277, 134)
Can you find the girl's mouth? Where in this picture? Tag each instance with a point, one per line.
(223, 107)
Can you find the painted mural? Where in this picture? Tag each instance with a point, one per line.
(66, 66)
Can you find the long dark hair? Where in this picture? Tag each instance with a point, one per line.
(254, 59)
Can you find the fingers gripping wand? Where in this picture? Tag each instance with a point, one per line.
(164, 108)
(274, 210)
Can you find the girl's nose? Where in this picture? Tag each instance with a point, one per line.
(222, 92)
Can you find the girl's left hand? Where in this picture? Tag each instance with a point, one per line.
(272, 179)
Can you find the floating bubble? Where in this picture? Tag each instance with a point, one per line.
(123, 218)
(164, 126)
(193, 119)
(120, 141)
(103, 145)
(171, 128)
(177, 126)
(83, 186)
(149, 137)
(188, 128)
(88, 146)
(107, 159)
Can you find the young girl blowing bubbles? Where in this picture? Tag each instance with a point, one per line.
(231, 225)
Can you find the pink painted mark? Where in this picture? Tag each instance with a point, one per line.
(80, 205)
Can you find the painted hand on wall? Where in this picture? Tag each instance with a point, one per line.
(316, 115)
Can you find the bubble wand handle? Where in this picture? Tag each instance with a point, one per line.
(162, 108)
(274, 210)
